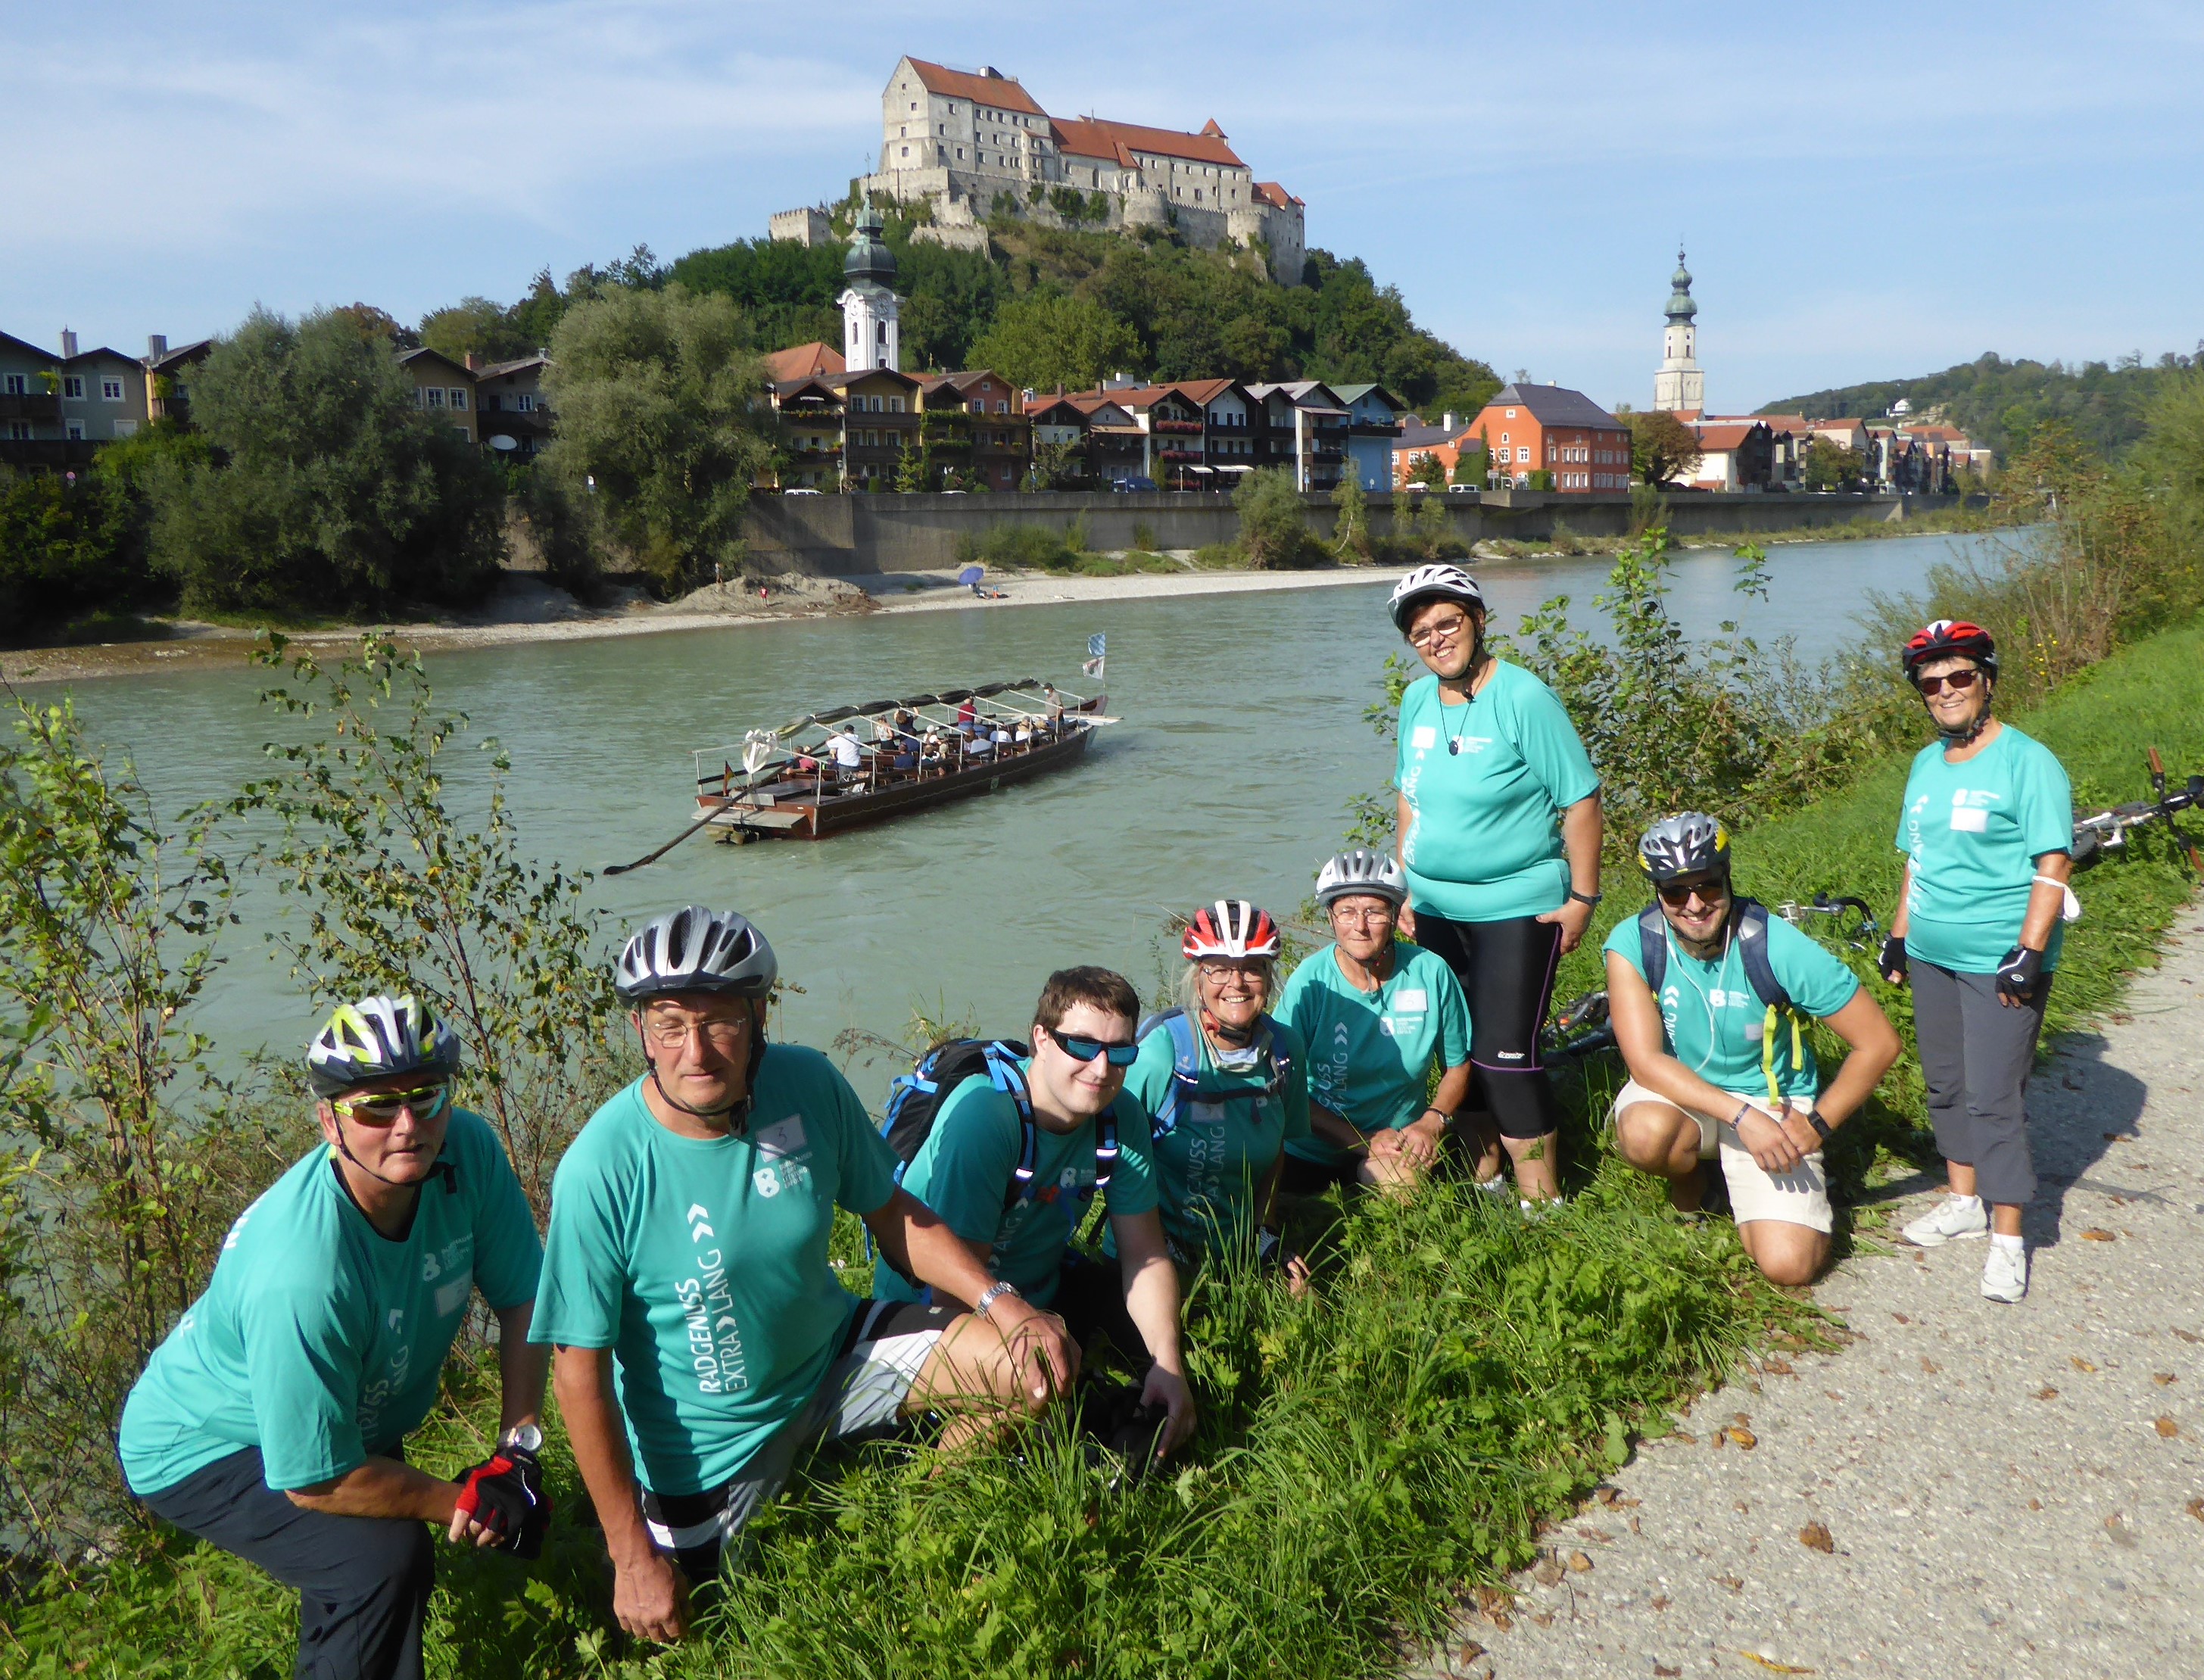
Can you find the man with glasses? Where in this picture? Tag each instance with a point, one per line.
(704, 1337)
(1707, 990)
(1016, 1196)
(1374, 1012)
(271, 1422)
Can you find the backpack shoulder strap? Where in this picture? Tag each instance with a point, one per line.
(1752, 946)
(1186, 1069)
(1003, 1071)
(1653, 948)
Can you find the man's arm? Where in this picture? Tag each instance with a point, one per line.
(1638, 1035)
(381, 1487)
(1152, 1302)
(648, 1596)
(1876, 1048)
(1335, 1128)
(523, 1366)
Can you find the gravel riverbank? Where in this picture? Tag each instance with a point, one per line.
(2005, 1491)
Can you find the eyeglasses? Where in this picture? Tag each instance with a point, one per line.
(382, 1107)
(722, 1033)
(1678, 894)
(1370, 918)
(1085, 1049)
(1217, 970)
(1958, 682)
(1431, 634)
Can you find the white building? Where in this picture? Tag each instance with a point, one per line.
(1679, 387)
(872, 331)
(973, 144)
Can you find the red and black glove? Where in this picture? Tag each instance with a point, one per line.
(506, 1494)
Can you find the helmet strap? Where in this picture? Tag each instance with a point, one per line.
(1238, 1037)
(1972, 732)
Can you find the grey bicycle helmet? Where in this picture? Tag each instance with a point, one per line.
(376, 1037)
(1361, 871)
(1432, 583)
(1689, 844)
(696, 950)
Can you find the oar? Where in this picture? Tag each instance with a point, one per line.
(653, 857)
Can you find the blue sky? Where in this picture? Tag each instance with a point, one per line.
(1861, 199)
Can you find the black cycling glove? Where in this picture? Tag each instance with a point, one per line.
(506, 1494)
(1893, 960)
(2018, 975)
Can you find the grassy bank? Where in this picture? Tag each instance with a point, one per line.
(1938, 522)
(1367, 1456)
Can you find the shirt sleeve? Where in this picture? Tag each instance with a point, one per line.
(964, 1169)
(863, 1161)
(1624, 941)
(1401, 725)
(2046, 819)
(1133, 1180)
(1818, 981)
(584, 1280)
(1454, 1014)
(303, 1367)
(1549, 744)
(508, 1254)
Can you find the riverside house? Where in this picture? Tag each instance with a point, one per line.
(975, 423)
(510, 413)
(1374, 426)
(880, 420)
(444, 387)
(1304, 427)
(1551, 429)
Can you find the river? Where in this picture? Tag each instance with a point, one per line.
(1243, 741)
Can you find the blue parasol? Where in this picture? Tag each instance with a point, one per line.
(971, 574)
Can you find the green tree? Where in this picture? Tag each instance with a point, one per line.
(1055, 466)
(1472, 465)
(1351, 527)
(663, 424)
(326, 488)
(1829, 466)
(910, 473)
(1044, 338)
(1273, 524)
(1661, 447)
(478, 327)
(1429, 469)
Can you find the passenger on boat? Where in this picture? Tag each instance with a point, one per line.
(1014, 1161)
(967, 716)
(981, 744)
(742, 1150)
(849, 756)
(1024, 736)
(1054, 702)
(1225, 1086)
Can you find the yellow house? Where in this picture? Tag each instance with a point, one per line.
(444, 387)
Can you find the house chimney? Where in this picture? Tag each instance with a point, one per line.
(156, 345)
(474, 361)
(69, 344)
(1449, 420)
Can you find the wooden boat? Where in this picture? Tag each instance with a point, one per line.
(784, 785)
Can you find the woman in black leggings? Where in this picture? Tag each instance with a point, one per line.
(1500, 836)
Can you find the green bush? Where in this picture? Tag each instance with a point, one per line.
(67, 548)
(1274, 530)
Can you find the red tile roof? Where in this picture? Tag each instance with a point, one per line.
(1716, 437)
(998, 91)
(1097, 137)
(802, 361)
(1269, 193)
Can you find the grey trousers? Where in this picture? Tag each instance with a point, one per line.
(1976, 1055)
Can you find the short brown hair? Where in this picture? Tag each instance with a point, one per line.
(1104, 988)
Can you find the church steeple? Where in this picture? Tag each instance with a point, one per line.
(1680, 306)
(872, 334)
(1678, 386)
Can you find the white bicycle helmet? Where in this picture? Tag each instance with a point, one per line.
(1231, 927)
(1432, 583)
(377, 1037)
(1361, 871)
(1689, 844)
(696, 950)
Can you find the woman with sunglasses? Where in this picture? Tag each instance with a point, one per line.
(1225, 1085)
(271, 1422)
(1987, 831)
(1499, 835)
(1716, 1070)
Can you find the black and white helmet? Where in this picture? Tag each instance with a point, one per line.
(1361, 871)
(1689, 844)
(377, 1037)
(695, 949)
(1432, 583)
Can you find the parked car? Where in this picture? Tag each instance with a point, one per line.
(800, 490)
(1129, 485)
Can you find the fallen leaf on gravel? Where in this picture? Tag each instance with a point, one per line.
(2119, 1530)
(1662, 1602)
(1771, 1665)
(1929, 1366)
(1625, 1503)
(1730, 1581)
(2093, 1234)
(2079, 1363)
(1544, 1619)
(1817, 1535)
(2163, 1379)
(2168, 1428)
(1502, 1620)
(1685, 1436)
(1745, 1438)
(2046, 1393)
(1667, 1673)
(2185, 1336)
(2035, 1505)
(1491, 1601)
(2195, 1508)
(1777, 1367)
(1548, 1572)
(1579, 1562)
(1604, 1495)
(1720, 1438)
(1901, 1318)
(1634, 1529)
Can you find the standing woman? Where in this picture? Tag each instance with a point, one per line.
(1500, 836)
(1988, 830)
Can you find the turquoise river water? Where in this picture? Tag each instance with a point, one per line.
(1243, 739)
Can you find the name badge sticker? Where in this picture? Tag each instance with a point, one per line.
(1423, 737)
(1970, 819)
(1411, 1000)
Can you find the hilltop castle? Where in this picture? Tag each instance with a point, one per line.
(970, 145)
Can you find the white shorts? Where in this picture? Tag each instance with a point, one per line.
(1800, 1197)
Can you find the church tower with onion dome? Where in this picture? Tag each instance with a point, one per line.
(1678, 386)
(871, 336)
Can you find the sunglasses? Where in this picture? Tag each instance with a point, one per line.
(382, 1109)
(1958, 682)
(1085, 1049)
(1679, 894)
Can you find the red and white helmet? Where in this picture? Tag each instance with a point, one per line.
(1950, 638)
(1231, 927)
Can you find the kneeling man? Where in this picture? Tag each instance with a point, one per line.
(1707, 993)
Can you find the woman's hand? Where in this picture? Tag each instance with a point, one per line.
(1574, 915)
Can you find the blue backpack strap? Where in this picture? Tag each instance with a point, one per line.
(1760, 971)
(1106, 1148)
(1002, 1069)
(1653, 948)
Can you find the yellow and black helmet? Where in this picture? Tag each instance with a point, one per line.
(377, 1037)
(1689, 844)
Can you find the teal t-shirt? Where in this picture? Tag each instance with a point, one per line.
(964, 1169)
(1974, 832)
(1370, 1054)
(1713, 1021)
(1484, 838)
(1208, 1165)
(320, 1341)
(701, 1263)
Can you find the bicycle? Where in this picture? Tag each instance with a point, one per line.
(1581, 1028)
(1862, 934)
(2107, 831)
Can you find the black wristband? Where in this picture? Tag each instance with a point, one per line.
(1821, 1127)
(1590, 898)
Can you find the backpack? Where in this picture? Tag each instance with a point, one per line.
(1186, 1087)
(915, 1100)
(1749, 917)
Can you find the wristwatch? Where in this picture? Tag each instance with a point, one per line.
(523, 1437)
(991, 1293)
(1821, 1127)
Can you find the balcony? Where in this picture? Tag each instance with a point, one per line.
(1179, 455)
(43, 409)
(1375, 429)
(1193, 426)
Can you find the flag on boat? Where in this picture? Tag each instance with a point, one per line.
(1096, 645)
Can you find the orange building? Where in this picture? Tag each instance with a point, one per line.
(1548, 428)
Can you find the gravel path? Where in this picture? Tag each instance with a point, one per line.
(2006, 1491)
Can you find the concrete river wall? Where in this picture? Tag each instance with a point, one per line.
(857, 535)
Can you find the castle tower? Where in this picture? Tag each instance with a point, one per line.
(1679, 387)
(871, 336)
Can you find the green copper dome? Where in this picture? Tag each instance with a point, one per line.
(868, 259)
(1680, 306)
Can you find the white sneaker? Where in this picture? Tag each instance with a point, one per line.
(1951, 1217)
(1494, 1186)
(2005, 1274)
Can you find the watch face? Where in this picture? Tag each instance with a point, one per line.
(528, 1438)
